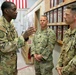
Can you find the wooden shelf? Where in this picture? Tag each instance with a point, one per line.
(60, 42)
(57, 24)
(61, 4)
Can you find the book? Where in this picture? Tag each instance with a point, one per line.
(55, 2)
(51, 3)
(51, 16)
(48, 16)
(59, 32)
(55, 15)
(60, 14)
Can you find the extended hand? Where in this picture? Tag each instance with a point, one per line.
(30, 31)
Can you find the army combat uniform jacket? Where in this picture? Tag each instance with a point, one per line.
(67, 58)
(9, 43)
(43, 43)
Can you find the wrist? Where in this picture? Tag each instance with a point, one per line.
(26, 39)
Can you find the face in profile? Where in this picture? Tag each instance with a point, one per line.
(12, 11)
(69, 16)
(43, 22)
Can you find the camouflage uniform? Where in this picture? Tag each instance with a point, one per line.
(67, 58)
(9, 43)
(43, 43)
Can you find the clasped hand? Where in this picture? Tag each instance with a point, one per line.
(38, 57)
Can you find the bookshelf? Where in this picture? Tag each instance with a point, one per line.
(55, 15)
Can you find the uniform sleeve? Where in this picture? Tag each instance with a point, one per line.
(8, 45)
(71, 67)
(50, 45)
(60, 60)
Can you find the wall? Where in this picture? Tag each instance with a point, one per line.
(47, 5)
(1, 1)
(56, 53)
(19, 21)
(30, 3)
(31, 12)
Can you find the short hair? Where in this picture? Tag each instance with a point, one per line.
(45, 16)
(72, 7)
(6, 4)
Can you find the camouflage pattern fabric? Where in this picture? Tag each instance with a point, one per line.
(9, 43)
(67, 58)
(43, 67)
(43, 43)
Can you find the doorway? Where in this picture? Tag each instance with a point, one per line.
(37, 19)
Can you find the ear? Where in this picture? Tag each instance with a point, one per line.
(5, 10)
(75, 16)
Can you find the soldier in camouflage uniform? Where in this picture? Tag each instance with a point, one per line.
(9, 41)
(67, 60)
(42, 48)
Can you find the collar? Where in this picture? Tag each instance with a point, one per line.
(70, 32)
(6, 23)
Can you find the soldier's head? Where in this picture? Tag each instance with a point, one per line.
(9, 9)
(70, 14)
(43, 21)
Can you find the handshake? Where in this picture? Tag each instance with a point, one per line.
(29, 32)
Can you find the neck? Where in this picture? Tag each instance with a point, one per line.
(44, 28)
(7, 18)
(73, 26)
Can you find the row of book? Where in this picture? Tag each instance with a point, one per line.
(59, 31)
(54, 3)
(57, 16)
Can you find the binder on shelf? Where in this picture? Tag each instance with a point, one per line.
(64, 13)
(59, 32)
(51, 16)
(60, 14)
(48, 16)
(55, 29)
(51, 3)
(55, 15)
(50, 27)
(55, 2)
